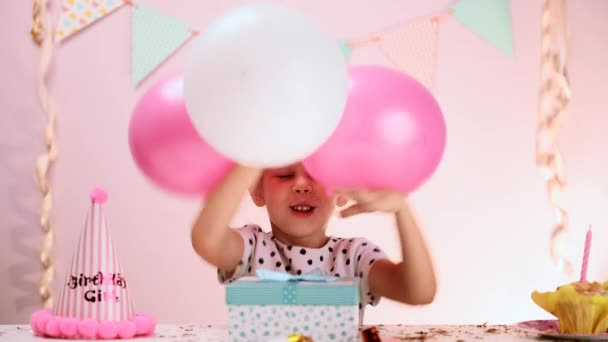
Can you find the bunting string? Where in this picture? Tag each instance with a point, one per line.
(402, 46)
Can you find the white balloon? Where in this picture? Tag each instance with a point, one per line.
(265, 85)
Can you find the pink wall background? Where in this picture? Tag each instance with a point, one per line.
(484, 213)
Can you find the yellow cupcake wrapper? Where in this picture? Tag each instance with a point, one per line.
(578, 313)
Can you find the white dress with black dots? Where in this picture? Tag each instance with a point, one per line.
(340, 257)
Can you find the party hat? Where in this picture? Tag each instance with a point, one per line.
(94, 300)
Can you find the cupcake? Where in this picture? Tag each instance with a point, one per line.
(581, 307)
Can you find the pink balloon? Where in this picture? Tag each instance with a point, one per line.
(167, 148)
(392, 135)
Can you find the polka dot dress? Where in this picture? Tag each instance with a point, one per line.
(339, 257)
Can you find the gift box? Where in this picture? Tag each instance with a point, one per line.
(275, 305)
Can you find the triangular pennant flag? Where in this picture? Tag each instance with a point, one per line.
(155, 37)
(413, 49)
(491, 19)
(78, 14)
(346, 49)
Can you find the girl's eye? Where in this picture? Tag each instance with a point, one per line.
(285, 176)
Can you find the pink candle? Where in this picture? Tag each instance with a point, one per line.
(586, 255)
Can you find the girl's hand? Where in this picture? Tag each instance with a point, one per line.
(367, 201)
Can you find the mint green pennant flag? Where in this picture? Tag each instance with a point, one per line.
(346, 50)
(491, 19)
(155, 37)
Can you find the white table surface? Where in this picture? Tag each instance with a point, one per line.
(197, 333)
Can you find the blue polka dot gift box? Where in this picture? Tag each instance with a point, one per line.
(275, 304)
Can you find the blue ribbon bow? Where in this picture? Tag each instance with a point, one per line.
(315, 275)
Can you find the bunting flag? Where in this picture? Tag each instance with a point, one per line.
(491, 19)
(156, 36)
(346, 49)
(78, 14)
(413, 49)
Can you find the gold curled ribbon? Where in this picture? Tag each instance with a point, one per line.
(36, 31)
(554, 99)
(299, 338)
(42, 34)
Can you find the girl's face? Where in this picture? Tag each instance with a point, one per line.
(296, 204)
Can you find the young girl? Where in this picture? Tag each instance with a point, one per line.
(299, 210)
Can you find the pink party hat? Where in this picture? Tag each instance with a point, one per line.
(94, 300)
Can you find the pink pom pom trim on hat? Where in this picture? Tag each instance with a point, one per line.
(45, 324)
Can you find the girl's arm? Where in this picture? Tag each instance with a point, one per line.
(211, 237)
(411, 281)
